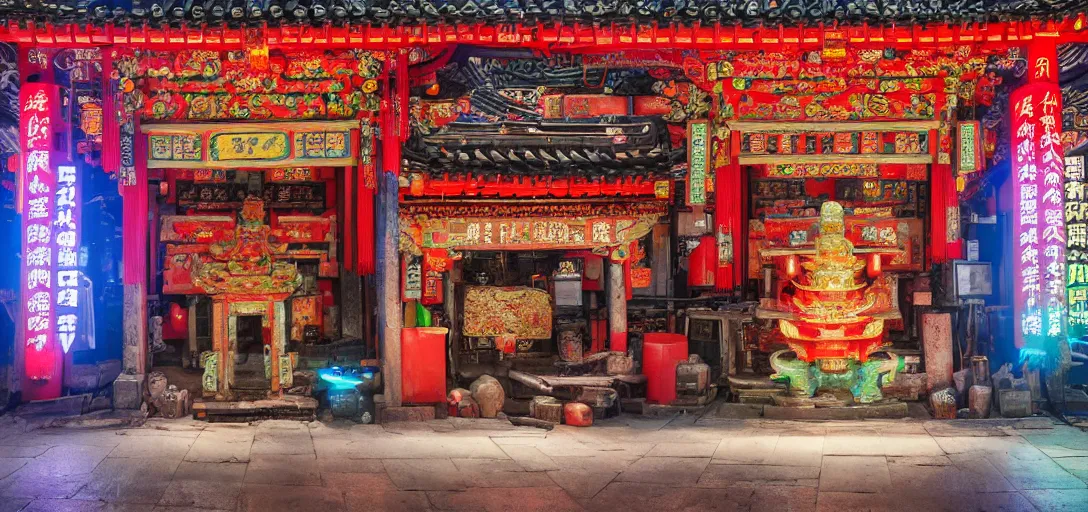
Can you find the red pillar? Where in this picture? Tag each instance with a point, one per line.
(128, 388)
(728, 216)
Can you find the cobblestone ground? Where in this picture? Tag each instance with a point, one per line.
(628, 464)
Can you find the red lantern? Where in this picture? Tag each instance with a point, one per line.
(873, 268)
(792, 266)
(176, 325)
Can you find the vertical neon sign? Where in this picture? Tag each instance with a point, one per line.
(37, 105)
(1039, 237)
(66, 232)
(1076, 256)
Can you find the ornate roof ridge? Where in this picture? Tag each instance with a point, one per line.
(409, 12)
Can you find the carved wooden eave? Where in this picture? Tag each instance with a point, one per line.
(569, 34)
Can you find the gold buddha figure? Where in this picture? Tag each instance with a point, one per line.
(834, 268)
(833, 273)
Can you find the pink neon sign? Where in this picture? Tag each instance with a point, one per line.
(38, 193)
(1039, 220)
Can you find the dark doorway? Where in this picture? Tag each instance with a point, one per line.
(249, 367)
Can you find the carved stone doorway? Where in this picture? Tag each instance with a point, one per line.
(249, 359)
(252, 355)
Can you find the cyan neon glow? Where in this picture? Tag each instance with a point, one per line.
(338, 378)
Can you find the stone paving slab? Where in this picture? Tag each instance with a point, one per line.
(233, 444)
(288, 470)
(627, 463)
(736, 475)
(373, 500)
(501, 500)
(582, 483)
(1058, 500)
(850, 473)
(529, 458)
(903, 502)
(138, 480)
(677, 471)
(425, 475)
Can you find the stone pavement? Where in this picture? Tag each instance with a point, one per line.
(629, 464)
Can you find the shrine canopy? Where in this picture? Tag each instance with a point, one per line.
(405, 23)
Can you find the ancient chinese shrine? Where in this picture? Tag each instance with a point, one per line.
(376, 208)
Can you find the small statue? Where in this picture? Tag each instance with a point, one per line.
(155, 335)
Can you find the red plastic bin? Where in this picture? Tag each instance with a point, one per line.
(423, 365)
(661, 352)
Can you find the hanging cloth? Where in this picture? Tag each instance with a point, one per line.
(728, 211)
(367, 186)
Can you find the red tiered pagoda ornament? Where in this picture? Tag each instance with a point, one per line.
(830, 316)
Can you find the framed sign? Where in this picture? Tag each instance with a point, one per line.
(969, 146)
(251, 145)
(698, 160)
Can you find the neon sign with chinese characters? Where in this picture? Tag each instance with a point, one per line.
(1039, 221)
(36, 102)
(1076, 247)
(66, 241)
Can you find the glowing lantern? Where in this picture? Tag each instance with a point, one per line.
(792, 266)
(873, 268)
(179, 320)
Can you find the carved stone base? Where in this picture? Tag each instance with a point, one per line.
(863, 380)
(128, 391)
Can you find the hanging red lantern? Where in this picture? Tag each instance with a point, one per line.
(177, 324)
(873, 268)
(792, 266)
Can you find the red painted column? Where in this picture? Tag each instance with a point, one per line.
(128, 388)
(945, 242)
(728, 216)
(390, 313)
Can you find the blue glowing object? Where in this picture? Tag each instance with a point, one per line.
(338, 378)
(1032, 357)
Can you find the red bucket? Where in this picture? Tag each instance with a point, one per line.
(661, 352)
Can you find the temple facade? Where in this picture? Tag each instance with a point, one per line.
(266, 203)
